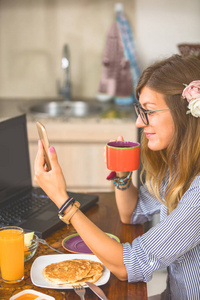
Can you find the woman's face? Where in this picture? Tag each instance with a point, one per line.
(160, 130)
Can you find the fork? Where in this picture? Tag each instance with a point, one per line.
(80, 291)
(45, 243)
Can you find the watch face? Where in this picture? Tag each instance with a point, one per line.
(62, 219)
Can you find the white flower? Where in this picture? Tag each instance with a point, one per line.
(194, 107)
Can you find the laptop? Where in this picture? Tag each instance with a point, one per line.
(21, 204)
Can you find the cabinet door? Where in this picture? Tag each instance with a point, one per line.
(83, 165)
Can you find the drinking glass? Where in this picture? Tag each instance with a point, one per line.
(12, 254)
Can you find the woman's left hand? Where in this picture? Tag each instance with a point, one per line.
(53, 181)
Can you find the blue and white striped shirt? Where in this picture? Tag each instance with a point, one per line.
(173, 243)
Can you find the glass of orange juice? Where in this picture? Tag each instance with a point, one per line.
(12, 253)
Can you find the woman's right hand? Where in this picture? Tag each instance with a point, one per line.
(53, 181)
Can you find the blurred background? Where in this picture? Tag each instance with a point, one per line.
(33, 32)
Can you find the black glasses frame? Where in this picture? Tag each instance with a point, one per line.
(143, 113)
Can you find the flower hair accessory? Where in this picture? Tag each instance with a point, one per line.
(192, 93)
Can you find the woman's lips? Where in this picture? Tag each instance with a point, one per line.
(149, 135)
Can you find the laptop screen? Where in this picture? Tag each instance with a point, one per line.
(15, 174)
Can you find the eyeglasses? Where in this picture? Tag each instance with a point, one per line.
(143, 113)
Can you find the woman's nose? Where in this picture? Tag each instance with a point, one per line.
(139, 123)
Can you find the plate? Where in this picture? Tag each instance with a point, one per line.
(74, 243)
(42, 261)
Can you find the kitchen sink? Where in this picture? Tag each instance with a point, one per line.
(65, 108)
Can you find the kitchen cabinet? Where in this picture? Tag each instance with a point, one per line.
(80, 148)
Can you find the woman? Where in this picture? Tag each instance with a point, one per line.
(171, 184)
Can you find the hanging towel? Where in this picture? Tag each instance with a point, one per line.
(116, 78)
(129, 45)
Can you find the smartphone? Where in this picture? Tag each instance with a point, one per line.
(43, 137)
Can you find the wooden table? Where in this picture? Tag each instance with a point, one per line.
(104, 215)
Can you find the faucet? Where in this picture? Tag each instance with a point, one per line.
(65, 90)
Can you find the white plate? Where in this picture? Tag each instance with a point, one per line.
(42, 261)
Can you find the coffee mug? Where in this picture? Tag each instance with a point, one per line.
(123, 156)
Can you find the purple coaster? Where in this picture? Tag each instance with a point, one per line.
(75, 244)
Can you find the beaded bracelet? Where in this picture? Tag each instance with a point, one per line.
(120, 182)
(67, 203)
(67, 217)
(123, 188)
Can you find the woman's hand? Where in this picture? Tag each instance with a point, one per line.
(53, 181)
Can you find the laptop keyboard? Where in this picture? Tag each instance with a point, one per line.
(20, 210)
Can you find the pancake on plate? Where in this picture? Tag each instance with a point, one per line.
(73, 272)
(94, 274)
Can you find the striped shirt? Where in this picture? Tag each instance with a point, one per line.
(173, 243)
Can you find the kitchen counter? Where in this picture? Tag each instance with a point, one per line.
(110, 111)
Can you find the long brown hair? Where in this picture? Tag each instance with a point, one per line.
(182, 157)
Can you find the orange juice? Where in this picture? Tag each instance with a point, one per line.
(12, 253)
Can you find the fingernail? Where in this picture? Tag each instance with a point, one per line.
(52, 149)
(111, 176)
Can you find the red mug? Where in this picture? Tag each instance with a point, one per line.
(123, 156)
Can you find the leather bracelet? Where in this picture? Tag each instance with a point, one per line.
(67, 217)
(67, 203)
